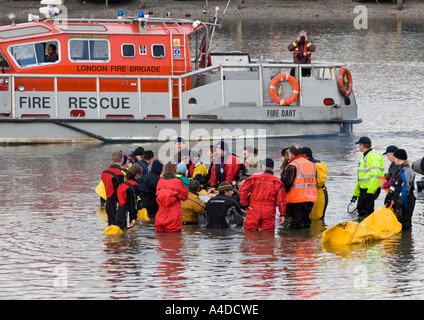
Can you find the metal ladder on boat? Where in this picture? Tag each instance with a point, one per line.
(178, 55)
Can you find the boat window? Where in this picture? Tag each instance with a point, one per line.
(158, 51)
(3, 62)
(35, 53)
(89, 50)
(128, 50)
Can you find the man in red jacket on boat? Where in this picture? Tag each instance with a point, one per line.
(265, 191)
(226, 166)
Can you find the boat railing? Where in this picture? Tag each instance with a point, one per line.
(219, 70)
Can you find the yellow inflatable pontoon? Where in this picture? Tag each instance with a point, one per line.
(381, 224)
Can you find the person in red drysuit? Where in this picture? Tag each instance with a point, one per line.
(226, 166)
(170, 191)
(265, 191)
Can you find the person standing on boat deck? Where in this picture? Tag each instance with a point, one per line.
(112, 178)
(128, 193)
(147, 186)
(300, 184)
(52, 55)
(170, 192)
(392, 168)
(401, 191)
(193, 206)
(318, 210)
(302, 49)
(370, 170)
(226, 166)
(265, 191)
(220, 209)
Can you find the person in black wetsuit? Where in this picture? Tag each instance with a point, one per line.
(128, 193)
(220, 209)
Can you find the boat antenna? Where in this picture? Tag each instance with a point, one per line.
(225, 10)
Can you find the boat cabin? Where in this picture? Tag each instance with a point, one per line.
(119, 47)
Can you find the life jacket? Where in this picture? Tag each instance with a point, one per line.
(305, 51)
(112, 177)
(225, 169)
(304, 187)
(122, 192)
(196, 167)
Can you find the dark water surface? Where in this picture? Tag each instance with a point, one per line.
(51, 239)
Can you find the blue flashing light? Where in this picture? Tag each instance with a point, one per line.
(141, 14)
(120, 13)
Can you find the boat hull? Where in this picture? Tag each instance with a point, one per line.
(20, 131)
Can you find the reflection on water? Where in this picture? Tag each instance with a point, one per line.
(52, 224)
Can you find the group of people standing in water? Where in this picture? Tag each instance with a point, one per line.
(244, 192)
(229, 192)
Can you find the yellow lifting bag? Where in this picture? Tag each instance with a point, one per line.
(381, 224)
(112, 229)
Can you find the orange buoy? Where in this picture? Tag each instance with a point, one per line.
(344, 72)
(274, 95)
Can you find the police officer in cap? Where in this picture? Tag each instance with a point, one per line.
(370, 169)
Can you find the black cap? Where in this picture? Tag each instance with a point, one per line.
(400, 154)
(179, 139)
(390, 149)
(269, 163)
(363, 140)
(222, 145)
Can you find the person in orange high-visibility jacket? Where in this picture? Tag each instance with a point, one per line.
(265, 191)
(300, 182)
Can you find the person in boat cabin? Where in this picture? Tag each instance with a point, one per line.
(112, 178)
(302, 49)
(128, 193)
(401, 191)
(52, 55)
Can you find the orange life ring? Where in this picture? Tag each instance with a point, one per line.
(274, 95)
(342, 73)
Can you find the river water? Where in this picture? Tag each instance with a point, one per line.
(52, 246)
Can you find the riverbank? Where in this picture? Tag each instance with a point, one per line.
(309, 9)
